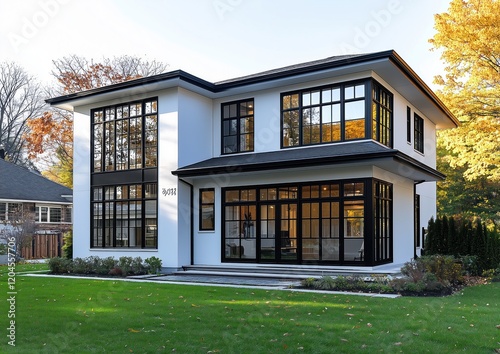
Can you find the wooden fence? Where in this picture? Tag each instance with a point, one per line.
(43, 246)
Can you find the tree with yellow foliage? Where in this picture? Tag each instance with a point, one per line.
(468, 38)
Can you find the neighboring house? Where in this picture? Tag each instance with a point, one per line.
(328, 163)
(25, 195)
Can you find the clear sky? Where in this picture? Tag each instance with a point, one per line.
(217, 39)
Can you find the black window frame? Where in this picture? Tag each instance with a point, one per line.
(375, 127)
(382, 114)
(362, 190)
(238, 117)
(408, 125)
(116, 114)
(104, 196)
(144, 175)
(418, 133)
(203, 204)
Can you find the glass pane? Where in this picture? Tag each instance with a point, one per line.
(207, 217)
(326, 96)
(306, 99)
(355, 129)
(232, 196)
(310, 249)
(208, 196)
(359, 91)
(336, 94)
(315, 97)
(349, 92)
(355, 110)
(330, 250)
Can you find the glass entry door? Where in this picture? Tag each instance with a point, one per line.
(278, 232)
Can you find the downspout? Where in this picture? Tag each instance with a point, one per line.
(191, 220)
(415, 183)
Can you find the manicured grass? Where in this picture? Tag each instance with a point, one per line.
(57, 315)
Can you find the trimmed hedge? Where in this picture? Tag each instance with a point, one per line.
(478, 247)
(93, 265)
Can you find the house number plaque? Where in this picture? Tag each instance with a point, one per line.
(169, 191)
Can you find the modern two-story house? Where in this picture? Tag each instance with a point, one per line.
(326, 163)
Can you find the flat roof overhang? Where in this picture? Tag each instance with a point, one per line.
(362, 153)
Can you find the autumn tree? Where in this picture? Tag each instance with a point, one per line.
(50, 137)
(468, 38)
(20, 100)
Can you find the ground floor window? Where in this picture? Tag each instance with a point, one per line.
(125, 216)
(324, 222)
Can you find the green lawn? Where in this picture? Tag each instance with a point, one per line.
(56, 315)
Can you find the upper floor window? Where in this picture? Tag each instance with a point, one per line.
(418, 133)
(238, 126)
(323, 115)
(125, 136)
(340, 112)
(381, 115)
(408, 125)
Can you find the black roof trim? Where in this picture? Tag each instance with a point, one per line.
(275, 74)
(171, 75)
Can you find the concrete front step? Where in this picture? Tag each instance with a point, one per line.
(287, 271)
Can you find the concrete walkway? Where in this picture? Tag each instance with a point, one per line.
(220, 281)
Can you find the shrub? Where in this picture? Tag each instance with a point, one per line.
(60, 265)
(326, 283)
(82, 266)
(67, 248)
(116, 272)
(153, 265)
(470, 265)
(446, 268)
(125, 263)
(414, 270)
(307, 283)
(137, 267)
(106, 265)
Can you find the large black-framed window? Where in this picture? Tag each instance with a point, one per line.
(334, 113)
(238, 126)
(418, 133)
(125, 136)
(207, 209)
(125, 216)
(124, 180)
(327, 222)
(382, 114)
(382, 225)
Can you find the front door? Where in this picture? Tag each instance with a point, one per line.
(278, 232)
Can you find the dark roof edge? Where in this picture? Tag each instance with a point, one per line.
(171, 75)
(279, 165)
(270, 75)
(412, 75)
(302, 68)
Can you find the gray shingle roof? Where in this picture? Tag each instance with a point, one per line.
(301, 157)
(18, 183)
